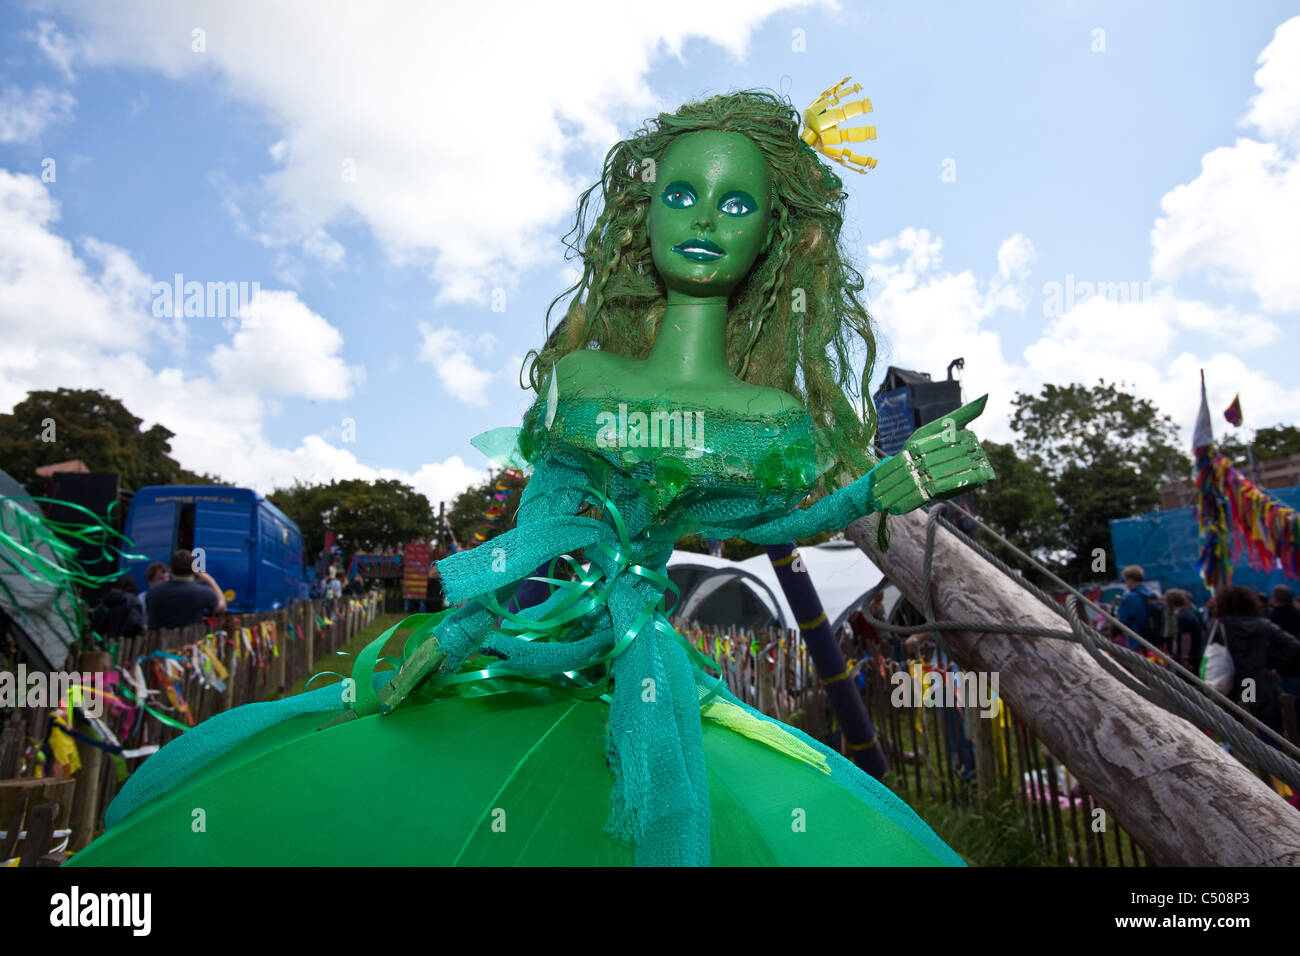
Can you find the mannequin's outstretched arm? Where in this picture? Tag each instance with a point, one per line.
(836, 510)
(939, 460)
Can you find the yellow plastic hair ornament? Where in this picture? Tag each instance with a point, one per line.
(823, 117)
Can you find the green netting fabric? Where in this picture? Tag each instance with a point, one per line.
(651, 477)
(690, 467)
(612, 510)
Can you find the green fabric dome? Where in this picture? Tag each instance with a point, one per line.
(501, 780)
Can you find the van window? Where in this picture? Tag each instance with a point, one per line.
(185, 527)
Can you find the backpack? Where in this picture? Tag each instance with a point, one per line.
(1161, 624)
(1216, 665)
(121, 617)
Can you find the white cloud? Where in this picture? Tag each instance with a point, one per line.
(1015, 256)
(408, 128)
(57, 48)
(324, 248)
(25, 114)
(919, 305)
(48, 294)
(444, 480)
(1236, 222)
(86, 321)
(284, 348)
(445, 349)
(1136, 338)
(316, 460)
(1275, 109)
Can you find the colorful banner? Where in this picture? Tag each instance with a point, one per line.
(502, 489)
(1234, 515)
(415, 570)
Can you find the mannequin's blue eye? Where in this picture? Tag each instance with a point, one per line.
(679, 195)
(737, 203)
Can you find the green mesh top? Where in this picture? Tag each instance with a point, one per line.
(618, 481)
(696, 469)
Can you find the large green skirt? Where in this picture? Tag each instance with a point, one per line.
(517, 779)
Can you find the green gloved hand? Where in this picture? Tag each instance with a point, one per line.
(939, 460)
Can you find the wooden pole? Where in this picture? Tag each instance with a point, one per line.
(1181, 797)
(85, 798)
(832, 670)
(986, 761)
(309, 634)
(278, 683)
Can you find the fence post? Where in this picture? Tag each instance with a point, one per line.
(281, 652)
(85, 799)
(986, 766)
(309, 634)
(228, 652)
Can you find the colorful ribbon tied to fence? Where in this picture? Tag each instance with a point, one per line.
(1234, 515)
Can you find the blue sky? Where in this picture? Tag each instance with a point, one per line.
(1159, 153)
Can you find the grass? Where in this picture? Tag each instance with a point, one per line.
(991, 835)
(995, 832)
(340, 662)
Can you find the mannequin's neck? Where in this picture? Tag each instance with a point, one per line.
(692, 342)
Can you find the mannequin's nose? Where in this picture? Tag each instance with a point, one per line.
(703, 223)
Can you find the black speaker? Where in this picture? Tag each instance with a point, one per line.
(96, 492)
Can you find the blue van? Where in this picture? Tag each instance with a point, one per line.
(250, 547)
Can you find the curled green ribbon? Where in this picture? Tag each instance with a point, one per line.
(566, 619)
(45, 552)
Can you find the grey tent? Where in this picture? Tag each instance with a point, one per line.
(42, 608)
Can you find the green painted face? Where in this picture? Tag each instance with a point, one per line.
(711, 212)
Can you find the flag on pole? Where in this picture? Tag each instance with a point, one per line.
(1203, 436)
(1233, 412)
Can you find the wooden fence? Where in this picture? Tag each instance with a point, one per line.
(262, 655)
(937, 754)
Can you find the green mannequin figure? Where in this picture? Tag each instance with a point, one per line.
(701, 381)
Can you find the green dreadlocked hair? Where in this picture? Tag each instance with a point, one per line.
(802, 344)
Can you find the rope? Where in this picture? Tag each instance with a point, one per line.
(1174, 689)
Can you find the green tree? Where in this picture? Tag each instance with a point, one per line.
(1269, 444)
(1090, 496)
(1105, 451)
(308, 506)
(72, 423)
(467, 513)
(736, 549)
(366, 515)
(1280, 441)
(1020, 504)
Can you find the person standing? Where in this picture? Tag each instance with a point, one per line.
(1283, 611)
(1260, 651)
(187, 597)
(156, 573)
(1189, 633)
(1132, 611)
(119, 614)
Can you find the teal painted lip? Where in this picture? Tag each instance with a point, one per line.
(701, 250)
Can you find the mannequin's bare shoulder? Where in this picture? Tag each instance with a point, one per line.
(591, 372)
(763, 401)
